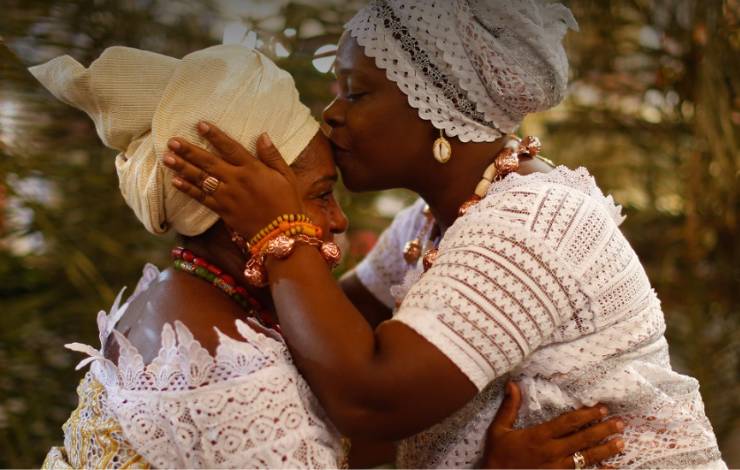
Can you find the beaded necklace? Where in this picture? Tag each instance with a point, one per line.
(185, 260)
(505, 162)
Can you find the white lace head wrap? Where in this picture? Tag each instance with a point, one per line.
(474, 68)
(139, 100)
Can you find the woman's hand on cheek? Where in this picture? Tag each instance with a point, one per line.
(551, 444)
(247, 192)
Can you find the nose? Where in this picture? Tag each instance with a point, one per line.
(333, 114)
(338, 222)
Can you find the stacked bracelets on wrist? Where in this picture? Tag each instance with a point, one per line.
(282, 223)
(279, 239)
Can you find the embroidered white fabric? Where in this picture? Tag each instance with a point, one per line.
(474, 68)
(247, 407)
(537, 282)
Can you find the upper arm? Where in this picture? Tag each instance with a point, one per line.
(497, 292)
(494, 295)
(371, 308)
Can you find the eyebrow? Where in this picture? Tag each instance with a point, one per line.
(349, 71)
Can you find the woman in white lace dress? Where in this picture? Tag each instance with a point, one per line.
(184, 377)
(530, 277)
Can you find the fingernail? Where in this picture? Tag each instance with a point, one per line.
(169, 159)
(620, 425)
(604, 411)
(177, 182)
(266, 140)
(203, 127)
(173, 144)
(620, 444)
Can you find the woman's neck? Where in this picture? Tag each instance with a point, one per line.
(216, 247)
(446, 190)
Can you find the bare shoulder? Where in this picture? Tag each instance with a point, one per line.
(176, 296)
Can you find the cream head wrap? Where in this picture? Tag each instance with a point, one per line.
(139, 100)
(474, 68)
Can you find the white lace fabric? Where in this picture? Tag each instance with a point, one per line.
(537, 282)
(472, 68)
(245, 407)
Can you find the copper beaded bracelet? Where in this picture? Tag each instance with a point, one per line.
(281, 247)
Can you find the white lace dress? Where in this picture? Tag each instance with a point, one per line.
(537, 282)
(247, 407)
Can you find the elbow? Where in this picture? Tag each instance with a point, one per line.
(358, 408)
(355, 421)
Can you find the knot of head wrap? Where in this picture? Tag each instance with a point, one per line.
(138, 100)
(474, 68)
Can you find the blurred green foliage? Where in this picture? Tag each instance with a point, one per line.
(654, 113)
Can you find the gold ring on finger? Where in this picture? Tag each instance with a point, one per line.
(579, 460)
(210, 184)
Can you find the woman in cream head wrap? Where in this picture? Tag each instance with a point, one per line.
(214, 390)
(516, 269)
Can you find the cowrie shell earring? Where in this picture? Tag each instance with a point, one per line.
(442, 149)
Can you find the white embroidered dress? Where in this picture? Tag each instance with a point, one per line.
(536, 281)
(247, 407)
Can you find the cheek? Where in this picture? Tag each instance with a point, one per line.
(364, 125)
(386, 149)
(386, 131)
(318, 216)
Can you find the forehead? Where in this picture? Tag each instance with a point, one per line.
(351, 58)
(316, 162)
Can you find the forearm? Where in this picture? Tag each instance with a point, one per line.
(331, 342)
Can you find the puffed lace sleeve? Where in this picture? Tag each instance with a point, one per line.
(385, 266)
(500, 287)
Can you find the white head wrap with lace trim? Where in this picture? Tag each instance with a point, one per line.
(474, 68)
(139, 100)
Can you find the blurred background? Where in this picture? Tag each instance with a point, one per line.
(654, 113)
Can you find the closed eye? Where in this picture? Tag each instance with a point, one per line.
(327, 195)
(355, 96)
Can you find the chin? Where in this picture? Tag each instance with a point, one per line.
(356, 180)
(360, 178)
(355, 185)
